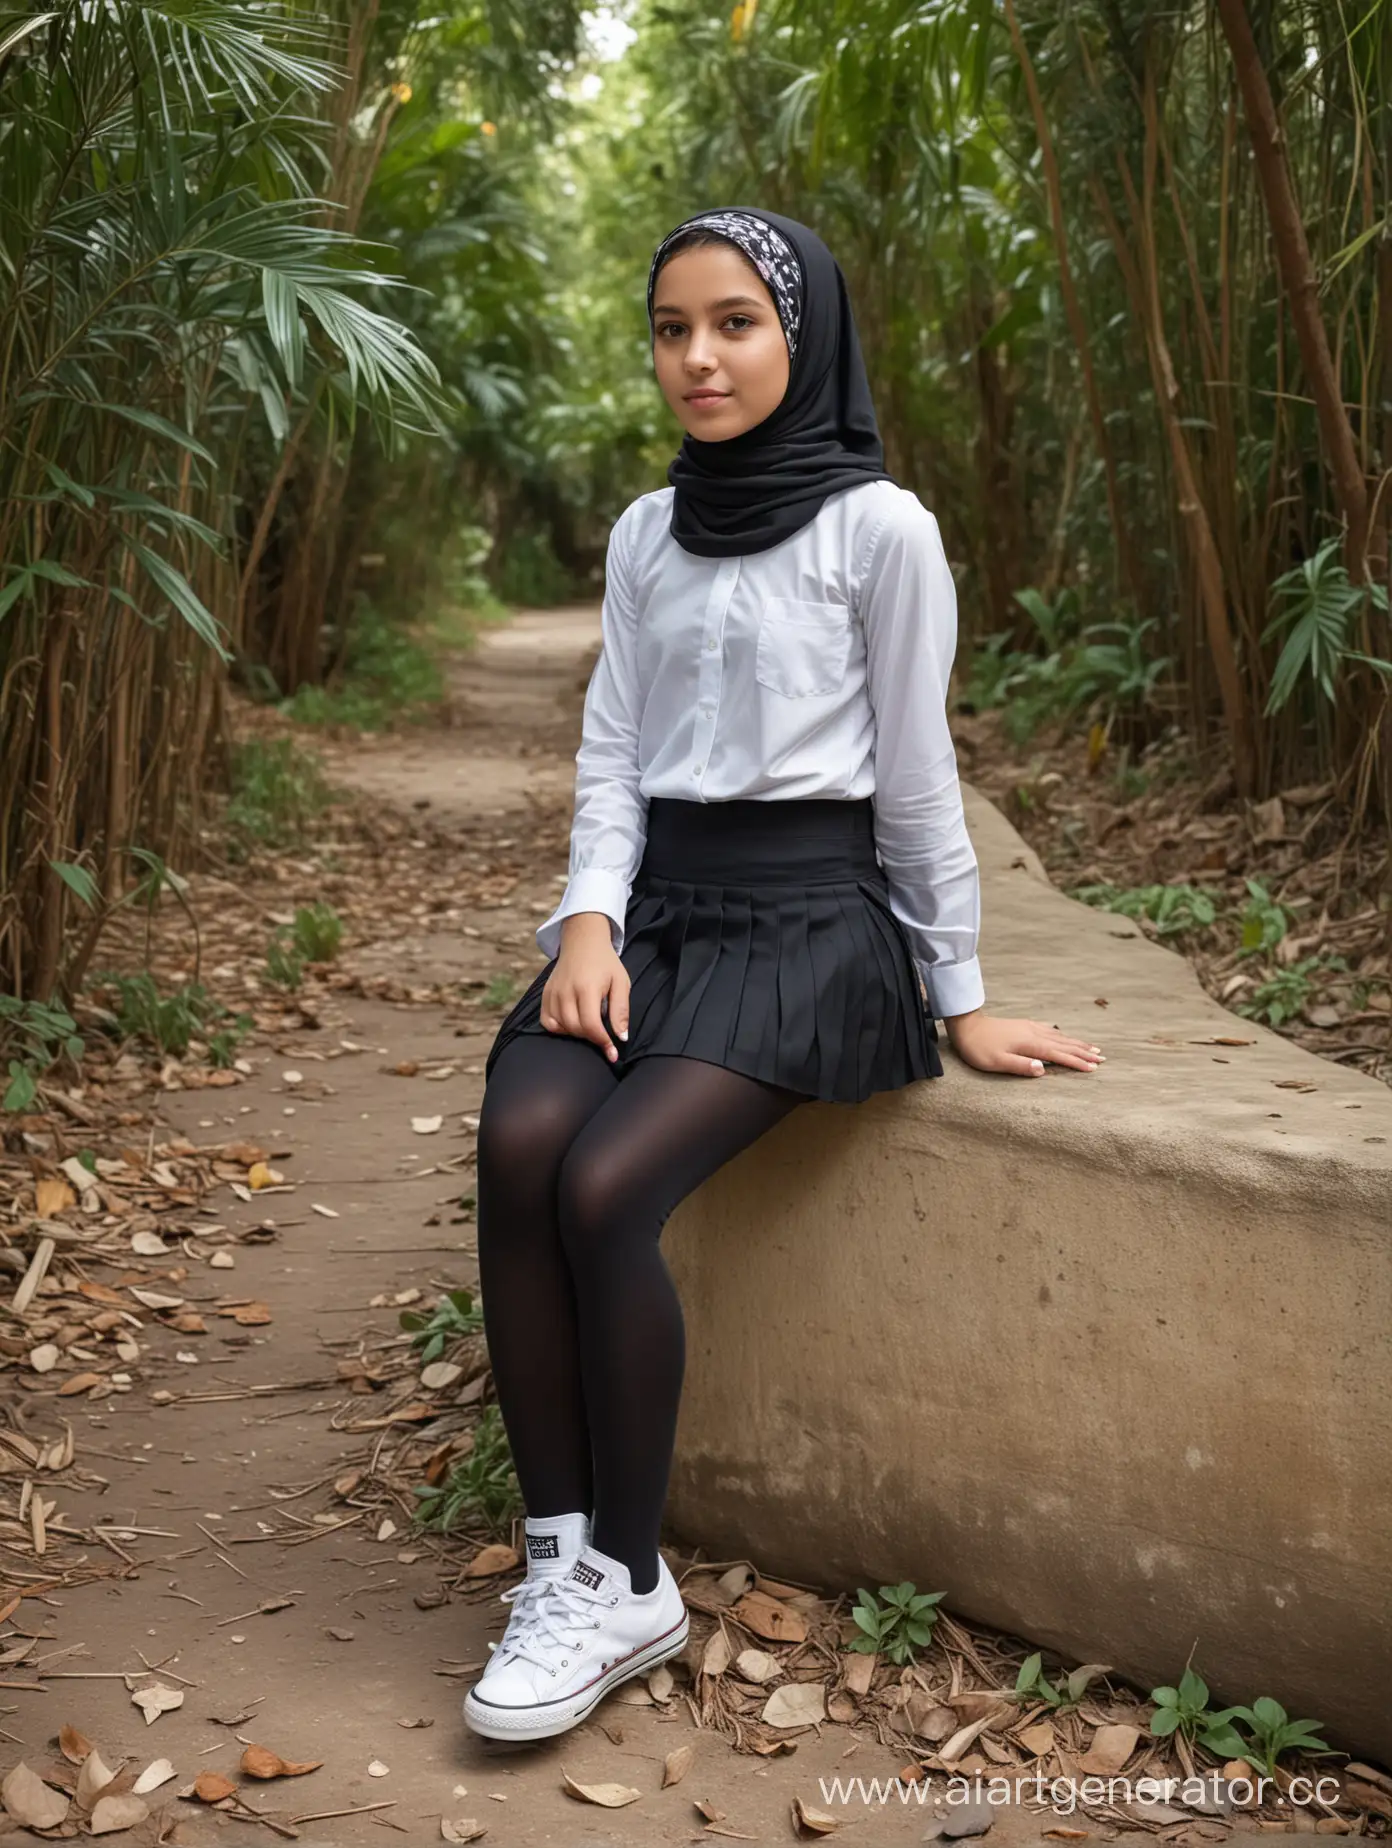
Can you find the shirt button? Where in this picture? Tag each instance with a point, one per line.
(712, 643)
(698, 769)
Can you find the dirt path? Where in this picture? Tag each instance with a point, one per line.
(359, 1666)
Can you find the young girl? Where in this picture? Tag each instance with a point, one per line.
(771, 897)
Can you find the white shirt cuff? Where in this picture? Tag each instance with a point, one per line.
(953, 988)
(591, 889)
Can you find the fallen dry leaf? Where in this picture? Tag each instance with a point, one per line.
(222, 1260)
(260, 1761)
(30, 1801)
(378, 1769)
(440, 1373)
(465, 1830)
(800, 1703)
(676, 1765)
(45, 1357)
(92, 1780)
(426, 1126)
(113, 1813)
(79, 1382)
(769, 1618)
(1111, 1747)
(814, 1821)
(609, 1796)
(212, 1787)
(159, 1699)
(499, 1557)
(151, 1299)
(158, 1772)
(52, 1197)
(71, 1743)
(756, 1665)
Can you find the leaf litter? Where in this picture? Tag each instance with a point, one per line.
(107, 1250)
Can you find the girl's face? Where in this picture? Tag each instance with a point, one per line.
(718, 346)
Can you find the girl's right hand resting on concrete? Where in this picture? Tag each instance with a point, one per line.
(587, 971)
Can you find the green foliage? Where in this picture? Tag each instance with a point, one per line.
(482, 1487)
(897, 1623)
(1185, 1710)
(502, 990)
(1031, 1684)
(170, 1023)
(454, 1316)
(1289, 991)
(1316, 608)
(313, 937)
(532, 575)
(1096, 668)
(1173, 909)
(318, 931)
(1265, 920)
(34, 1036)
(389, 673)
(277, 790)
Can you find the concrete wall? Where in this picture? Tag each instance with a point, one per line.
(1105, 1357)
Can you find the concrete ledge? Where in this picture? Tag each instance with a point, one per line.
(1105, 1357)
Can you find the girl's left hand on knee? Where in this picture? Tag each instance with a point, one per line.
(1022, 1047)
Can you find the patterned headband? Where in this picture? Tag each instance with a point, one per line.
(768, 250)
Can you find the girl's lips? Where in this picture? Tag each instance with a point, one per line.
(707, 397)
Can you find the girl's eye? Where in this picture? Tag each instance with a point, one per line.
(669, 327)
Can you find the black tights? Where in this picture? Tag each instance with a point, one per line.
(578, 1170)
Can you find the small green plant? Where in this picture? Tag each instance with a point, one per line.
(1265, 920)
(1185, 1710)
(1316, 610)
(34, 1036)
(1273, 1732)
(1102, 666)
(318, 932)
(1171, 908)
(454, 1316)
(482, 1485)
(500, 991)
(172, 1022)
(277, 790)
(895, 1628)
(313, 937)
(389, 671)
(284, 964)
(1032, 1684)
(1288, 992)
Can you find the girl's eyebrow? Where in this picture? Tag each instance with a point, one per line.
(728, 301)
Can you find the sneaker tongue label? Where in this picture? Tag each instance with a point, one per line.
(544, 1546)
(587, 1574)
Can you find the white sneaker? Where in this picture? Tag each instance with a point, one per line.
(586, 1633)
(553, 1543)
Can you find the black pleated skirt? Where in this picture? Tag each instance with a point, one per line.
(759, 936)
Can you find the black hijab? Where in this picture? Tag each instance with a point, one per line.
(754, 490)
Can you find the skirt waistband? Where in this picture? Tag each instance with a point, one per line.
(809, 841)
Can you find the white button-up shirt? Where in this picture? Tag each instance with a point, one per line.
(817, 668)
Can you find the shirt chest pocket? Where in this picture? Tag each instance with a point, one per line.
(802, 648)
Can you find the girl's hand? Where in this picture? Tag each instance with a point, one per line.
(587, 970)
(1019, 1046)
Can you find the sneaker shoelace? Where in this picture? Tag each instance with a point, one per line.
(560, 1619)
(523, 1598)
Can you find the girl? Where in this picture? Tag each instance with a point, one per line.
(771, 897)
